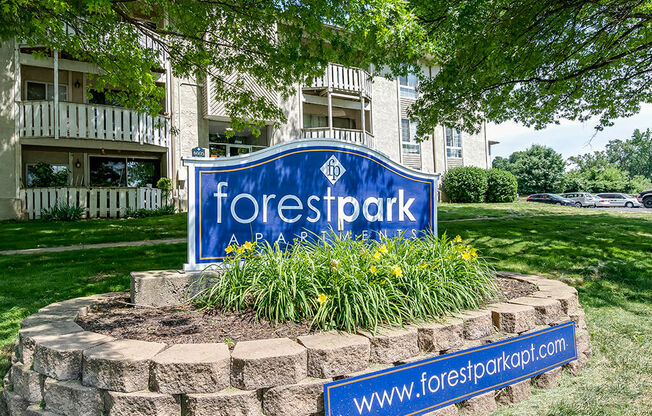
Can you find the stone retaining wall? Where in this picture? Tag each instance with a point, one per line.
(60, 369)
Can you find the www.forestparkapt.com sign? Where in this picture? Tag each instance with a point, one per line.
(424, 386)
(301, 189)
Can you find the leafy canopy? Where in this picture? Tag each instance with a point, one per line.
(237, 44)
(534, 61)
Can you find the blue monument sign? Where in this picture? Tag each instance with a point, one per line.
(421, 387)
(302, 189)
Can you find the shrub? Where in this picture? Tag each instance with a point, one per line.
(62, 212)
(165, 185)
(501, 186)
(350, 284)
(144, 212)
(465, 184)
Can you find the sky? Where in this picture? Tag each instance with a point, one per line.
(568, 138)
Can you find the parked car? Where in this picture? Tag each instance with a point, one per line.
(580, 199)
(616, 200)
(645, 198)
(550, 199)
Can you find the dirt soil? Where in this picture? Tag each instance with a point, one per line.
(187, 325)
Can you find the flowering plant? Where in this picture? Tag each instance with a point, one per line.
(348, 283)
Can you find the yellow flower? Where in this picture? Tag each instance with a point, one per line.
(377, 255)
(397, 271)
(373, 270)
(382, 249)
(228, 249)
(423, 266)
(248, 245)
(322, 298)
(466, 256)
(240, 250)
(457, 239)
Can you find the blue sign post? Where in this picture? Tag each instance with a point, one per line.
(421, 387)
(300, 189)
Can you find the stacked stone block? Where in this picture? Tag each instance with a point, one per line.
(60, 369)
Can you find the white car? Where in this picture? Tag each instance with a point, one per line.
(580, 199)
(616, 200)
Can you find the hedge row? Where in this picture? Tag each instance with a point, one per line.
(471, 184)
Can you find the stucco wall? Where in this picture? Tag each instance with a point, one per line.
(474, 149)
(291, 129)
(385, 115)
(9, 152)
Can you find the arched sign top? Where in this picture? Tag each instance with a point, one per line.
(298, 189)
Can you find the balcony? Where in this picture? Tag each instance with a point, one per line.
(348, 135)
(92, 121)
(342, 79)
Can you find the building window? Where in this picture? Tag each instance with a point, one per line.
(314, 121)
(122, 172)
(408, 137)
(99, 97)
(42, 91)
(45, 175)
(453, 143)
(408, 86)
(220, 146)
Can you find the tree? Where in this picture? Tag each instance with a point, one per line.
(236, 44)
(537, 169)
(632, 158)
(633, 155)
(535, 62)
(500, 163)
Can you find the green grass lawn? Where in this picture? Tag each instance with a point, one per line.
(15, 235)
(606, 255)
(608, 258)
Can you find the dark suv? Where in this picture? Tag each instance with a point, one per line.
(646, 198)
(549, 199)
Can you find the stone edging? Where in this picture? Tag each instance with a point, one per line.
(60, 369)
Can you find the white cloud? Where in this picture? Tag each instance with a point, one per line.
(569, 137)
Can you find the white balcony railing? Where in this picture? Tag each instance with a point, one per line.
(92, 121)
(349, 135)
(344, 79)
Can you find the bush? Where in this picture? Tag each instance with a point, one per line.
(144, 212)
(62, 212)
(350, 284)
(465, 184)
(501, 186)
(165, 185)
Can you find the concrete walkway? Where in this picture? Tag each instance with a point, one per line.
(91, 246)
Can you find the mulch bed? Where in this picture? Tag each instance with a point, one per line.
(187, 325)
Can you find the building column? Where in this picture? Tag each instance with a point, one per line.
(330, 114)
(56, 94)
(362, 117)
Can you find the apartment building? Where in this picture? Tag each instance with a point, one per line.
(114, 156)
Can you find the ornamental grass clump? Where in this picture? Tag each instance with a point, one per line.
(350, 284)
